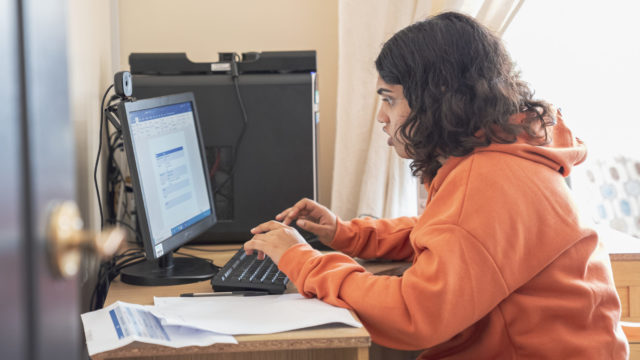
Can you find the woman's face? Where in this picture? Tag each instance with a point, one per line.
(393, 113)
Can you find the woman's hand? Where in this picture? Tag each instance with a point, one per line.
(311, 217)
(272, 238)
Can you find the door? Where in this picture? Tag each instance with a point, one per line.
(39, 313)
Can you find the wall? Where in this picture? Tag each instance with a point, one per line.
(89, 44)
(90, 73)
(202, 28)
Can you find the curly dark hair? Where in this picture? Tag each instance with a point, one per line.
(462, 88)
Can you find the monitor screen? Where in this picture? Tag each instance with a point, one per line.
(174, 202)
(172, 180)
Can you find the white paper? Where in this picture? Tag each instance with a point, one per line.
(249, 314)
(121, 323)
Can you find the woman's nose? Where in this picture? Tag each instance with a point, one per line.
(382, 117)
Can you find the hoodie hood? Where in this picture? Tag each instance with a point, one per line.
(562, 154)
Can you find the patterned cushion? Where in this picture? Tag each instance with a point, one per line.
(610, 191)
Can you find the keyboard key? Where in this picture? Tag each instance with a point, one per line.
(268, 272)
(257, 272)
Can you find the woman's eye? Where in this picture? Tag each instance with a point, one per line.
(387, 100)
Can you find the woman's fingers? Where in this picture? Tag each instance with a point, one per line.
(324, 232)
(254, 244)
(273, 243)
(311, 226)
(282, 215)
(267, 226)
(301, 208)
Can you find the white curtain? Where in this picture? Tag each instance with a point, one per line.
(369, 179)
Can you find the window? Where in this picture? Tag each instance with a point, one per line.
(584, 57)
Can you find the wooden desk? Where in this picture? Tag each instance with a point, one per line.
(323, 342)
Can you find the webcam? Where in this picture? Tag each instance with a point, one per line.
(122, 84)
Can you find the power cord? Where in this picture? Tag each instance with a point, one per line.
(234, 77)
(109, 270)
(95, 168)
(114, 174)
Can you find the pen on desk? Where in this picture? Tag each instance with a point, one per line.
(226, 293)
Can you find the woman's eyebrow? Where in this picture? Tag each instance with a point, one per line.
(383, 90)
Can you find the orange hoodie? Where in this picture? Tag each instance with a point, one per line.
(502, 267)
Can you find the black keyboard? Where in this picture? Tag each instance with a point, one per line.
(246, 273)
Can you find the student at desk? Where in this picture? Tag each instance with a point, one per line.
(502, 268)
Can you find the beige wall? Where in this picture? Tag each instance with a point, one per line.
(89, 51)
(202, 28)
(90, 73)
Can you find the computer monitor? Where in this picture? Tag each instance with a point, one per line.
(174, 202)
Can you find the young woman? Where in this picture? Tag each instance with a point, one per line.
(502, 267)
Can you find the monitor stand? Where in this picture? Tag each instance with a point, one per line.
(168, 270)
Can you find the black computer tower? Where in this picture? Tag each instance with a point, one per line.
(276, 164)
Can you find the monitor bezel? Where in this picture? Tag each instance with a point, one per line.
(188, 234)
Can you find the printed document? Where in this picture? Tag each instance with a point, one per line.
(121, 323)
(236, 315)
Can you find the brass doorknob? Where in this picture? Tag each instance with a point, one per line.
(67, 240)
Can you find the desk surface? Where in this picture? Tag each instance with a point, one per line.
(330, 338)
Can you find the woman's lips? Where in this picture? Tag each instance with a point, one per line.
(389, 140)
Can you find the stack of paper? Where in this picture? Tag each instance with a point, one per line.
(179, 321)
(121, 324)
(250, 314)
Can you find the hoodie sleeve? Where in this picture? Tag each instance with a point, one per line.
(375, 239)
(450, 286)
